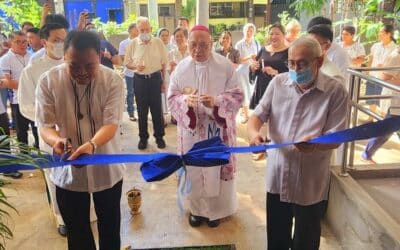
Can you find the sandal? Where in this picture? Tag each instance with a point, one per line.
(14, 175)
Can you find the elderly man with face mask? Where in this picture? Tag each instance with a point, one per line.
(299, 105)
(148, 58)
(79, 106)
(204, 96)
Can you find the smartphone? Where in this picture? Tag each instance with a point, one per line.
(91, 15)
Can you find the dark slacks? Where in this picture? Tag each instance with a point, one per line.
(22, 126)
(75, 211)
(148, 96)
(307, 225)
(4, 126)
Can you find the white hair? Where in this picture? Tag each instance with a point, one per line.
(247, 26)
(309, 43)
(142, 19)
(293, 24)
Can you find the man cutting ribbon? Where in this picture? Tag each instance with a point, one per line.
(83, 101)
(298, 106)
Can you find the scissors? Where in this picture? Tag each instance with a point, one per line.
(67, 149)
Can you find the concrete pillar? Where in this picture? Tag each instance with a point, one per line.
(202, 12)
(153, 11)
(131, 7)
(58, 7)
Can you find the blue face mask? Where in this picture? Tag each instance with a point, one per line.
(301, 77)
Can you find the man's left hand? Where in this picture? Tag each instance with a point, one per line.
(85, 148)
(207, 101)
(163, 87)
(305, 146)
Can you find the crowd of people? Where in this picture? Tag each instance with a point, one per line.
(62, 85)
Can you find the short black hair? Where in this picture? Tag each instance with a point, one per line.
(131, 26)
(350, 29)
(388, 28)
(57, 18)
(45, 30)
(322, 30)
(278, 26)
(33, 30)
(82, 40)
(27, 23)
(15, 33)
(319, 20)
(184, 18)
(185, 32)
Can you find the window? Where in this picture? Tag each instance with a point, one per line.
(112, 15)
(259, 10)
(227, 9)
(166, 9)
(143, 10)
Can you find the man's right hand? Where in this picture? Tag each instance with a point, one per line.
(256, 140)
(193, 99)
(60, 145)
(46, 9)
(255, 66)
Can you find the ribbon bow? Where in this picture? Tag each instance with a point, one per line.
(206, 153)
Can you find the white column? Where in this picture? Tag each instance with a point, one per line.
(152, 9)
(202, 12)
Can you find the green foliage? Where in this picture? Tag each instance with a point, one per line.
(285, 18)
(20, 11)
(112, 28)
(189, 10)
(310, 7)
(21, 154)
(262, 35)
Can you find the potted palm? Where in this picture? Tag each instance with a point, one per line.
(12, 152)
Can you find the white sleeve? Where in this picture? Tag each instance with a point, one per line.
(26, 94)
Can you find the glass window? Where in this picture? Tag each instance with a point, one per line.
(228, 9)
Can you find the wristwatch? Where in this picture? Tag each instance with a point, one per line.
(1, 82)
(94, 145)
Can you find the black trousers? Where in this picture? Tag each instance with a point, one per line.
(148, 96)
(307, 225)
(4, 129)
(75, 211)
(22, 126)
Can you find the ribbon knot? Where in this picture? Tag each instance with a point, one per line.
(206, 153)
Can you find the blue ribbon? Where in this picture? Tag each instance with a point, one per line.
(205, 153)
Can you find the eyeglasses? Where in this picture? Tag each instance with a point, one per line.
(201, 46)
(301, 64)
(20, 42)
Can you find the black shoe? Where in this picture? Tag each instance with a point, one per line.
(195, 221)
(142, 144)
(15, 175)
(132, 118)
(213, 223)
(160, 143)
(62, 230)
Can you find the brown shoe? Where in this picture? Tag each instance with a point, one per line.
(259, 156)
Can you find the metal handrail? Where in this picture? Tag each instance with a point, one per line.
(355, 76)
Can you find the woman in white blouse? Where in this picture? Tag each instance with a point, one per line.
(248, 48)
(178, 53)
(355, 49)
(377, 59)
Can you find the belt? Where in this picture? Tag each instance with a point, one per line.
(148, 76)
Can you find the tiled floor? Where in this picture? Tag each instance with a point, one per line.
(161, 223)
